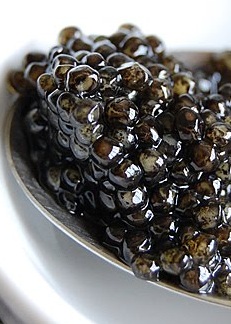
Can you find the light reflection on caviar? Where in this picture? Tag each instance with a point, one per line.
(125, 133)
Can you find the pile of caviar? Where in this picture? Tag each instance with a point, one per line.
(125, 135)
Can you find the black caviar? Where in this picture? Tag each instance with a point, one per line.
(122, 131)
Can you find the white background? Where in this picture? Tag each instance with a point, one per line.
(45, 277)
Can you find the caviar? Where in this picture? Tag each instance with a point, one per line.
(121, 131)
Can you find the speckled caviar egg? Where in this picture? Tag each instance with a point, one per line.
(222, 278)
(114, 235)
(225, 91)
(45, 84)
(94, 60)
(163, 198)
(135, 76)
(156, 44)
(153, 165)
(106, 151)
(136, 242)
(208, 214)
(117, 59)
(204, 156)
(188, 124)
(139, 218)
(175, 260)
(104, 47)
(130, 200)
(223, 236)
(127, 174)
(162, 224)
(159, 71)
(146, 266)
(79, 43)
(82, 80)
(160, 90)
(197, 279)
(34, 70)
(216, 103)
(67, 33)
(148, 132)
(121, 111)
(183, 83)
(202, 248)
(125, 136)
(219, 134)
(134, 47)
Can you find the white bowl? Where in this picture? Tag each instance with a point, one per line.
(45, 276)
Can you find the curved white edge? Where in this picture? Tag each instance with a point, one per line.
(25, 295)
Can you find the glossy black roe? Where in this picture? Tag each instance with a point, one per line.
(162, 226)
(94, 60)
(185, 100)
(139, 218)
(106, 151)
(127, 174)
(208, 214)
(45, 84)
(128, 137)
(57, 50)
(175, 260)
(65, 105)
(121, 112)
(148, 132)
(125, 136)
(146, 266)
(202, 248)
(160, 90)
(134, 76)
(67, 33)
(135, 46)
(171, 147)
(219, 134)
(163, 198)
(222, 279)
(109, 85)
(159, 71)
(104, 47)
(136, 242)
(225, 91)
(197, 279)
(87, 111)
(80, 43)
(33, 71)
(117, 59)
(132, 200)
(153, 164)
(114, 237)
(216, 103)
(203, 156)
(83, 80)
(189, 125)
(183, 83)
(223, 234)
(156, 44)
(187, 201)
(63, 59)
